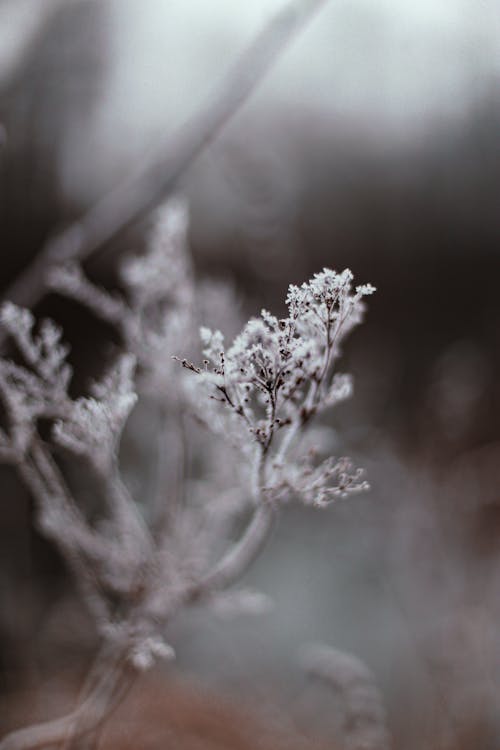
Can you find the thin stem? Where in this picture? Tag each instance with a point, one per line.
(74, 539)
(240, 556)
(171, 460)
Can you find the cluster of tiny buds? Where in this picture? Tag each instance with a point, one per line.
(279, 373)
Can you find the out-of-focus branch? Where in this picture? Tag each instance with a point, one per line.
(118, 673)
(22, 23)
(170, 472)
(239, 557)
(148, 186)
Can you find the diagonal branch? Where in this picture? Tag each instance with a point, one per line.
(148, 186)
(239, 557)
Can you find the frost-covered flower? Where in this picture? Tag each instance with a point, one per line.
(279, 373)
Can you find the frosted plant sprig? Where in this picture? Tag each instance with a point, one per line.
(263, 392)
(146, 607)
(317, 485)
(35, 390)
(43, 351)
(277, 375)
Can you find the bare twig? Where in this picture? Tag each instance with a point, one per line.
(148, 186)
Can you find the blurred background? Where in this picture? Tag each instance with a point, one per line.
(374, 144)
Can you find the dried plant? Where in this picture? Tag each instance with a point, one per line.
(137, 565)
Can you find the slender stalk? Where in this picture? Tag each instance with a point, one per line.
(170, 473)
(239, 557)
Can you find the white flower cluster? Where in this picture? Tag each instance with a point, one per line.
(277, 375)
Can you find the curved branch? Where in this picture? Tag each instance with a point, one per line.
(239, 557)
(148, 187)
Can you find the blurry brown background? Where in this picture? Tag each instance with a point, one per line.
(374, 144)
